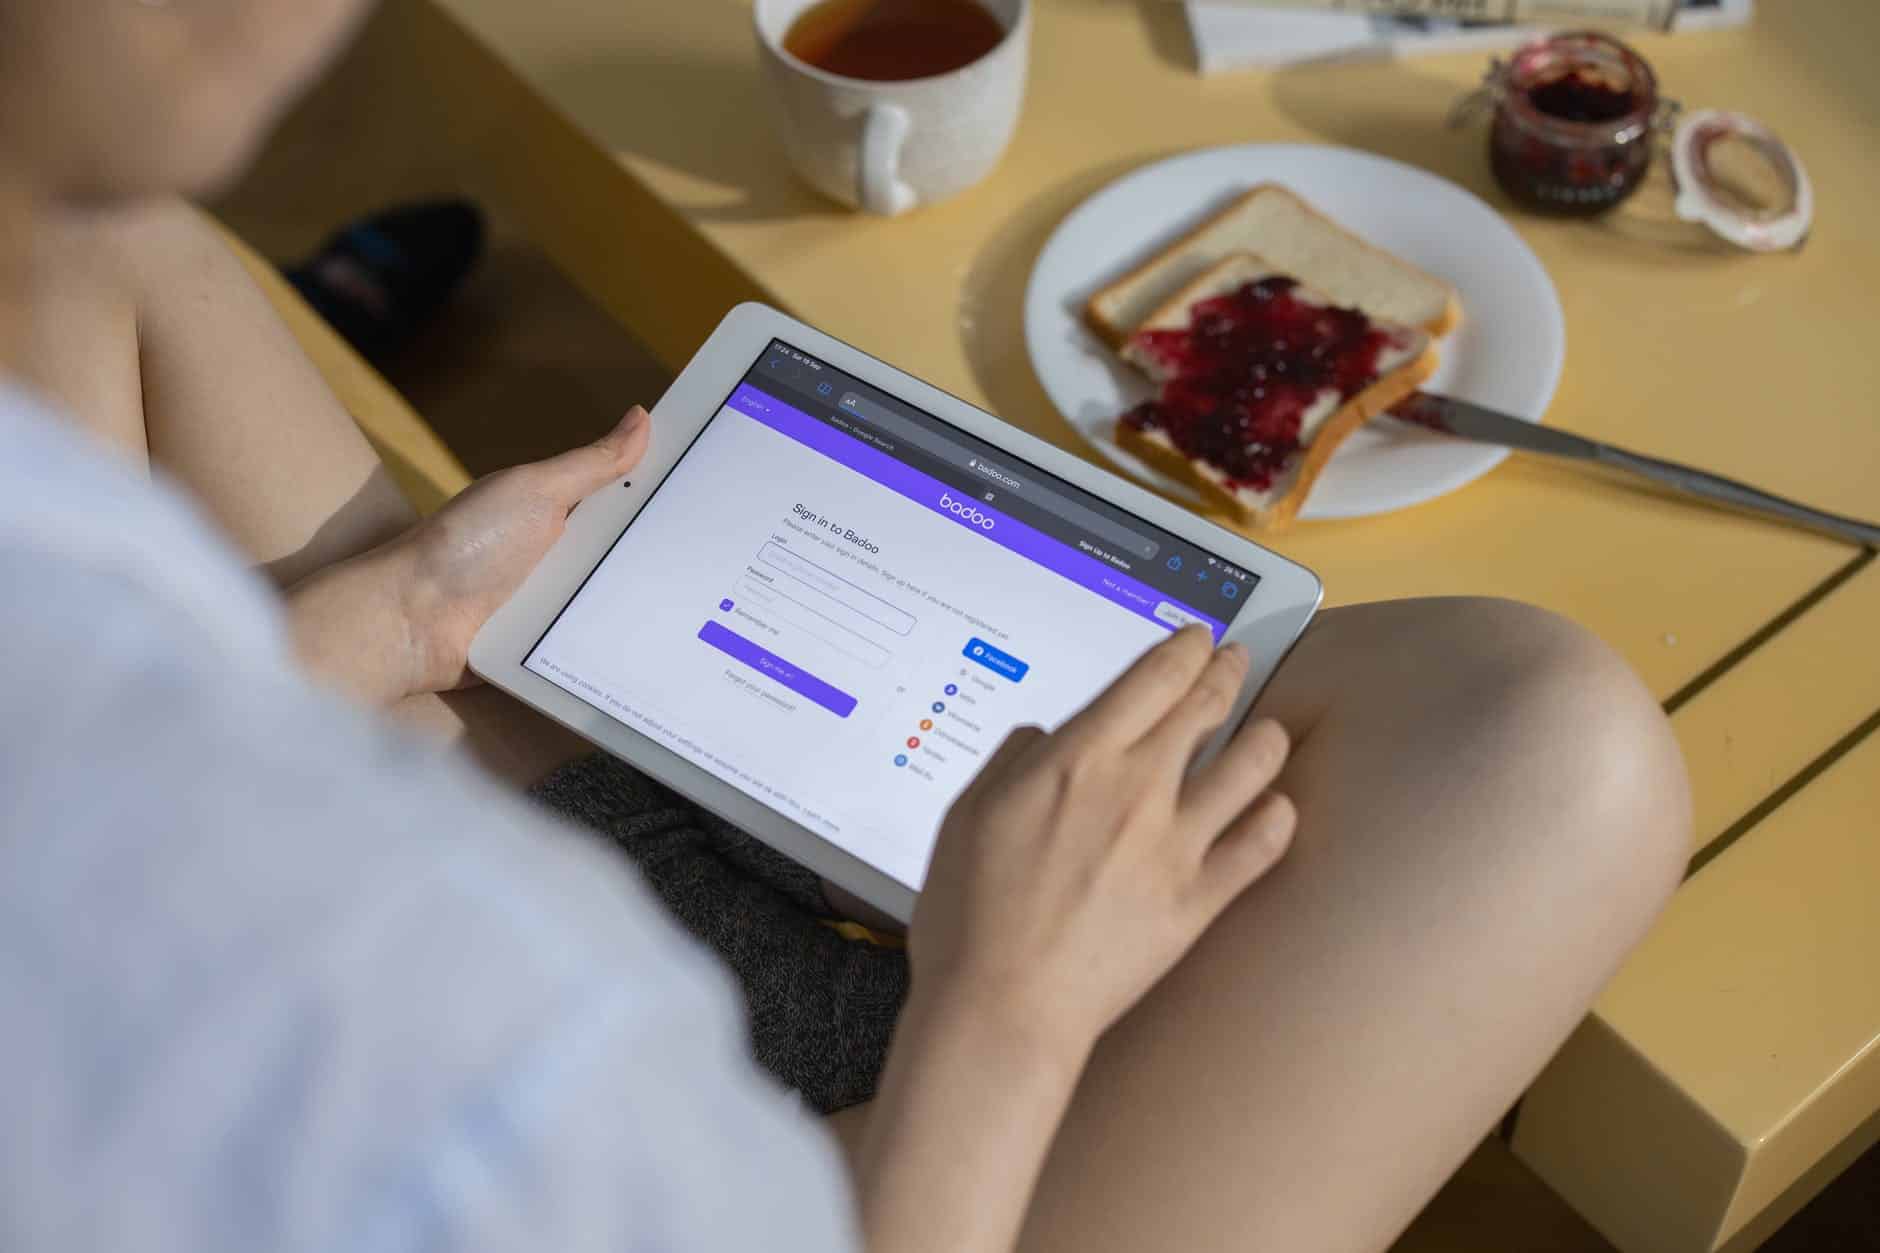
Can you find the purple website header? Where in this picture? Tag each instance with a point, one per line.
(1000, 528)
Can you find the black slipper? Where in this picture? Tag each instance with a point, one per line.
(378, 280)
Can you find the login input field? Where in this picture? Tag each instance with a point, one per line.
(829, 593)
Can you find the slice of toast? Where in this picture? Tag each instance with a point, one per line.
(1260, 379)
(1296, 239)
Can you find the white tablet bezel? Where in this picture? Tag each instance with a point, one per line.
(1282, 603)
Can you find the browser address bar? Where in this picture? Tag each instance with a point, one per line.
(888, 420)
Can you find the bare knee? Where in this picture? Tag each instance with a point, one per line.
(1569, 711)
(1554, 737)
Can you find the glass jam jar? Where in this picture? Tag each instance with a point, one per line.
(1575, 116)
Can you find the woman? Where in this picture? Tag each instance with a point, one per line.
(273, 978)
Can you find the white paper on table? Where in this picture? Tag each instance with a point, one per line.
(1235, 36)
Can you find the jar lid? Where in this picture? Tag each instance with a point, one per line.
(1704, 196)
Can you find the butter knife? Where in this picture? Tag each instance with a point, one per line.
(1464, 420)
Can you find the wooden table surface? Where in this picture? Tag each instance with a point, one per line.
(632, 141)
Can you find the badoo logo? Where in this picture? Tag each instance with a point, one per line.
(964, 511)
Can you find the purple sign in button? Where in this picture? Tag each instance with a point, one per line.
(762, 660)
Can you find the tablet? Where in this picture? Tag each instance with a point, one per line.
(830, 590)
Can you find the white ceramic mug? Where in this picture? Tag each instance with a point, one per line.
(889, 146)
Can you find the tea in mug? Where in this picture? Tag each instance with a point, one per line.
(891, 40)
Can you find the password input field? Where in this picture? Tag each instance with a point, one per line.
(836, 597)
(778, 604)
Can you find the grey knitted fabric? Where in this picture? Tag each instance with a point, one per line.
(822, 1008)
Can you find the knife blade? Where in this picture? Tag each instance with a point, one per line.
(1448, 415)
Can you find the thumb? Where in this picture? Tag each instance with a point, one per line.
(580, 472)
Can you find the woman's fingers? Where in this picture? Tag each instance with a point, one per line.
(580, 472)
(1010, 750)
(1144, 694)
(1221, 790)
(1248, 849)
(1199, 713)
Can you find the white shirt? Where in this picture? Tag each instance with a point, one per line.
(273, 978)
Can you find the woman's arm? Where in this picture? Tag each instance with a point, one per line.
(1069, 877)
(967, 1108)
(398, 620)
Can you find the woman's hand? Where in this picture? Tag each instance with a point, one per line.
(1079, 866)
(1073, 872)
(471, 555)
(398, 620)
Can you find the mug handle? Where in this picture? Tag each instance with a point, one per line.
(878, 164)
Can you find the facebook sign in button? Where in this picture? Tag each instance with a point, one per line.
(1002, 663)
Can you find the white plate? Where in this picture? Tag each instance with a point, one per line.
(1507, 353)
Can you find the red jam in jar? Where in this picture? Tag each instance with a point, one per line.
(1573, 123)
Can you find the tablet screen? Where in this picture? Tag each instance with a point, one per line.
(840, 604)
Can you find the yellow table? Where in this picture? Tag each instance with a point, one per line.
(1732, 1067)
